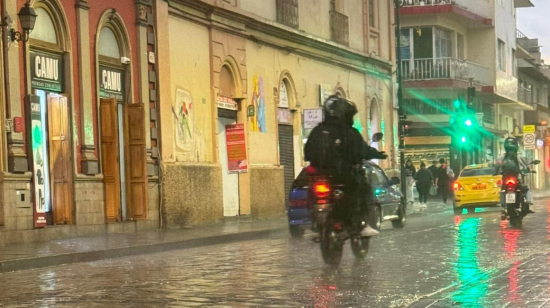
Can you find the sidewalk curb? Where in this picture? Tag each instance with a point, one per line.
(97, 255)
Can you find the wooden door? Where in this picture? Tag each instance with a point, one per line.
(136, 163)
(61, 170)
(110, 158)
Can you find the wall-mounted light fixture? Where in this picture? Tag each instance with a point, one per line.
(27, 18)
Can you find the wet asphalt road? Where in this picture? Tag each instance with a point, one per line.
(437, 260)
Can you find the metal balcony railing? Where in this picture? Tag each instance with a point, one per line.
(339, 28)
(424, 2)
(287, 13)
(445, 68)
(525, 95)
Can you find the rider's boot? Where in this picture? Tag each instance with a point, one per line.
(369, 231)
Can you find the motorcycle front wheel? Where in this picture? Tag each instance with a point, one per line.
(331, 247)
(360, 247)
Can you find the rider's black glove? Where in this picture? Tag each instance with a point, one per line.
(381, 155)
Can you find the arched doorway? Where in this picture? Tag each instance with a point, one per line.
(50, 117)
(227, 109)
(122, 128)
(286, 130)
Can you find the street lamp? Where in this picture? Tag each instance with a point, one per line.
(27, 18)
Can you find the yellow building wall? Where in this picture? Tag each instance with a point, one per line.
(307, 75)
(190, 84)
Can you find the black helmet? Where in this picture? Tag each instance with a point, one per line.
(339, 109)
(511, 145)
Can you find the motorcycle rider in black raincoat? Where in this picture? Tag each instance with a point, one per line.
(337, 149)
(511, 164)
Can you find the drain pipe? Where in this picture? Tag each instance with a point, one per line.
(159, 121)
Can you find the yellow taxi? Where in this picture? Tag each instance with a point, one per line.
(476, 186)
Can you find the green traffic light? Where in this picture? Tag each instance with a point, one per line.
(468, 122)
(463, 139)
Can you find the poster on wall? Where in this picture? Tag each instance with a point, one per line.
(183, 113)
(257, 115)
(325, 91)
(312, 117)
(38, 165)
(236, 148)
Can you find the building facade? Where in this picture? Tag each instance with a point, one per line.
(534, 80)
(447, 47)
(241, 85)
(78, 97)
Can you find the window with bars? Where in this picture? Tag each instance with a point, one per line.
(488, 113)
(339, 28)
(287, 13)
(428, 107)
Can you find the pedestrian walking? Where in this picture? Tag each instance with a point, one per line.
(433, 168)
(410, 172)
(424, 181)
(444, 179)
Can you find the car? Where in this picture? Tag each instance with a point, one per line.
(389, 200)
(477, 186)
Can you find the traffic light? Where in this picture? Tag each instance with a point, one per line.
(407, 129)
(471, 95)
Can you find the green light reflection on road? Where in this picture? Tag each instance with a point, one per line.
(472, 280)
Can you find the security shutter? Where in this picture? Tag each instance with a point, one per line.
(286, 153)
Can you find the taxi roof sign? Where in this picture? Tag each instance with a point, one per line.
(529, 128)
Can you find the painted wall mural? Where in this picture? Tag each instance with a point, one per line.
(189, 141)
(256, 109)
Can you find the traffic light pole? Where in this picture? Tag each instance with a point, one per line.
(400, 98)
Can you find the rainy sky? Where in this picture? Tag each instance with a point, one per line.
(534, 23)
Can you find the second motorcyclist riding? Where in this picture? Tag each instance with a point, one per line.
(337, 149)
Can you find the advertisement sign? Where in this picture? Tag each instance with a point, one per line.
(312, 117)
(38, 165)
(236, 148)
(226, 103)
(284, 116)
(111, 83)
(46, 71)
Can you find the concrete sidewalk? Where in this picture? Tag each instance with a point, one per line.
(87, 249)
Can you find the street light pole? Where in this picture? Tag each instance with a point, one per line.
(401, 112)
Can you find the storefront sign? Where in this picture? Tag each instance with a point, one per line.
(540, 143)
(236, 148)
(111, 83)
(312, 117)
(283, 96)
(38, 166)
(46, 72)
(227, 103)
(284, 116)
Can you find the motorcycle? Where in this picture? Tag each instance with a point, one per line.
(515, 192)
(328, 220)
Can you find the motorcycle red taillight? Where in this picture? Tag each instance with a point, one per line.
(511, 183)
(321, 189)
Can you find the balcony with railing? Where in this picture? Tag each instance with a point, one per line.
(445, 68)
(287, 13)
(339, 28)
(469, 13)
(525, 95)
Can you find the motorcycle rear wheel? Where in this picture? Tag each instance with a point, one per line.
(331, 247)
(360, 247)
(515, 217)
